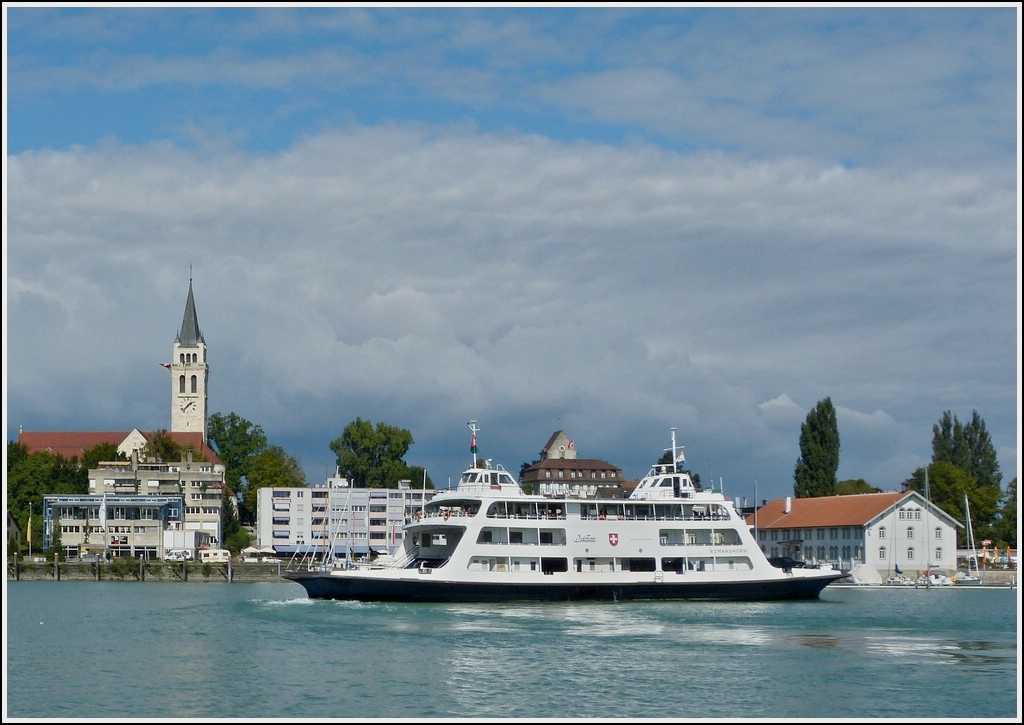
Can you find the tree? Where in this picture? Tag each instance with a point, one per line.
(272, 468)
(372, 456)
(854, 486)
(162, 448)
(30, 476)
(234, 537)
(666, 460)
(947, 485)
(237, 442)
(1004, 530)
(967, 446)
(101, 452)
(815, 473)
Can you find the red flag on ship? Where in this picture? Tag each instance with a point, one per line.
(472, 444)
(165, 365)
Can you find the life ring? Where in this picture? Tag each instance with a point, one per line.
(447, 514)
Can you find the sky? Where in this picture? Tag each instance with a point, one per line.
(611, 221)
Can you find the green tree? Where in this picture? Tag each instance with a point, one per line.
(234, 537)
(666, 460)
(947, 486)
(372, 456)
(815, 473)
(418, 477)
(854, 486)
(967, 446)
(30, 476)
(1004, 529)
(161, 447)
(237, 442)
(272, 468)
(101, 452)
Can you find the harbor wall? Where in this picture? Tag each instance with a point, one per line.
(146, 571)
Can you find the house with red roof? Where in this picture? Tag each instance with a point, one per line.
(887, 532)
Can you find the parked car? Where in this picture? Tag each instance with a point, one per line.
(786, 562)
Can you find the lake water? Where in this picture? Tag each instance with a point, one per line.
(252, 651)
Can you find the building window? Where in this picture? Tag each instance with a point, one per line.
(917, 514)
(910, 533)
(881, 532)
(910, 553)
(195, 384)
(181, 383)
(938, 533)
(938, 553)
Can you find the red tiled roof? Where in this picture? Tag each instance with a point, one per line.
(74, 444)
(853, 510)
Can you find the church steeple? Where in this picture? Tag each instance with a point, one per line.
(190, 334)
(189, 373)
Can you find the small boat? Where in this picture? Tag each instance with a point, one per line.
(899, 579)
(487, 540)
(934, 578)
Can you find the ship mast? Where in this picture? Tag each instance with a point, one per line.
(472, 441)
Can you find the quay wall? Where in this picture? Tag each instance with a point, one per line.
(146, 571)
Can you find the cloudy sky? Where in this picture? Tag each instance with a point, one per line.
(608, 221)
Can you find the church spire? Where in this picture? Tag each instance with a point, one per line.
(190, 334)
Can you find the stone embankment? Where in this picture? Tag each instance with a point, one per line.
(146, 571)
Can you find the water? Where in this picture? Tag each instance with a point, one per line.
(218, 650)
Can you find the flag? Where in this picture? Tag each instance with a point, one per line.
(898, 570)
(472, 443)
(572, 443)
(165, 365)
(681, 458)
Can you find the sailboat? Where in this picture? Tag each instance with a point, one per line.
(967, 578)
(932, 576)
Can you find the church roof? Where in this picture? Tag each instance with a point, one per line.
(74, 444)
(190, 334)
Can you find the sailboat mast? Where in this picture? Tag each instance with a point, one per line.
(927, 527)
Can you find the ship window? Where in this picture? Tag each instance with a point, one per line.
(640, 564)
(549, 565)
(674, 564)
(515, 537)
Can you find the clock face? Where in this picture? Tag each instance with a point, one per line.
(187, 405)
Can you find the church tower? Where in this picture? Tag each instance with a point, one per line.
(189, 374)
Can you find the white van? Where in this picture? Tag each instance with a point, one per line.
(179, 555)
(214, 555)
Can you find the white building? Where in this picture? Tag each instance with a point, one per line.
(359, 521)
(882, 530)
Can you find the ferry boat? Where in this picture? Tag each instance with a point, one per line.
(487, 540)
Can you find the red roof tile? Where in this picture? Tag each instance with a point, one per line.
(852, 510)
(74, 444)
